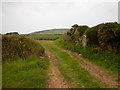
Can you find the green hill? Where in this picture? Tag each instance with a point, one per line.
(51, 34)
(51, 31)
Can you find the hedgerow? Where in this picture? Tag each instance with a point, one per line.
(16, 45)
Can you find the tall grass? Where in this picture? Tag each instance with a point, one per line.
(29, 73)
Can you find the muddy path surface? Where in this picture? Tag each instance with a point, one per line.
(57, 81)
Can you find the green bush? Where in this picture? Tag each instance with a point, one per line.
(21, 46)
(109, 36)
(92, 36)
(82, 29)
(104, 35)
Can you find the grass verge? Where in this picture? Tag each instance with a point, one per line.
(29, 73)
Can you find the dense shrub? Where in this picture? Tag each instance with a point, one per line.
(106, 36)
(74, 36)
(92, 36)
(109, 36)
(82, 29)
(21, 46)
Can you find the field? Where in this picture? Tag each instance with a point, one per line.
(52, 31)
(52, 34)
(45, 36)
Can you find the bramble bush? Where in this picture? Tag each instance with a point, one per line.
(16, 45)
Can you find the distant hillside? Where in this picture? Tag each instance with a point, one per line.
(51, 31)
(51, 34)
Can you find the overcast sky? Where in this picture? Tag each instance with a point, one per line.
(26, 17)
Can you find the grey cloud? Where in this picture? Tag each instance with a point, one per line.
(26, 17)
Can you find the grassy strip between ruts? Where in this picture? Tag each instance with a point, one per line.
(29, 73)
(75, 75)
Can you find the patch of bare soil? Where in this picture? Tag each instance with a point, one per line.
(101, 75)
(56, 80)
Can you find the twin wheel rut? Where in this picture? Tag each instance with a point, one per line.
(56, 80)
(99, 74)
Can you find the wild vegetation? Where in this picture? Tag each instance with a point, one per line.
(99, 44)
(24, 62)
(21, 46)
